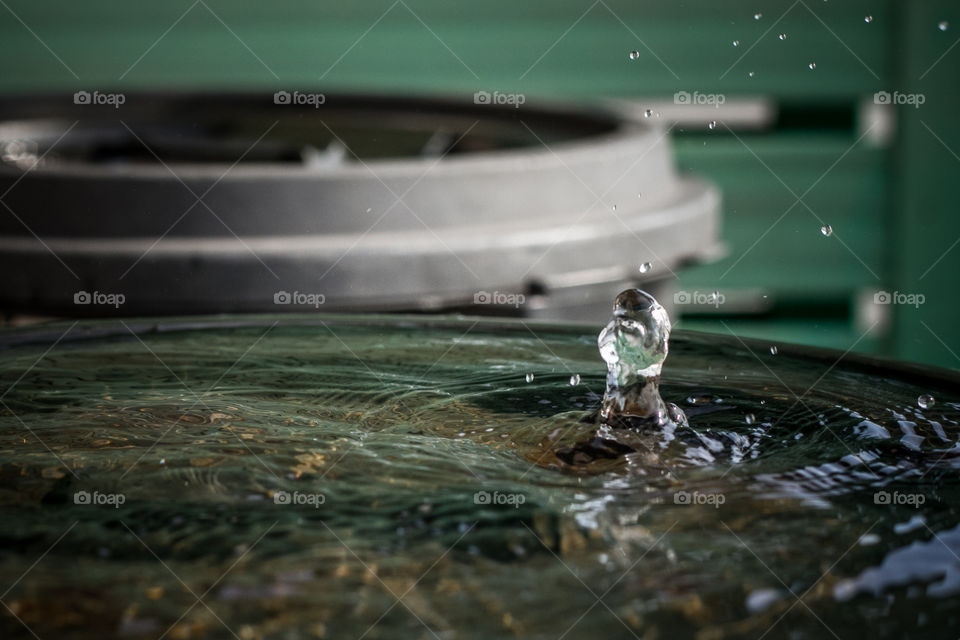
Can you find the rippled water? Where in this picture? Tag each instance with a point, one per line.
(347, 478)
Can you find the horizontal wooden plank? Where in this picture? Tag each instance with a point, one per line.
(781, 248)
(568, 48)
(833, 333)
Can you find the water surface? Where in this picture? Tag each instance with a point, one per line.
(398, 478)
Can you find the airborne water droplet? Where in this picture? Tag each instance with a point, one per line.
(712, 124)
(826, 230)
(750, 74)
(812, 65)
(868, 19)
(528, 377)
(648, 113)
(943, 25)
(645, 267)
(574, 379)
(736, 43)
(926, 401)
(613, 208)
(757, 16)
(782, 36)
(749, 418)
(634, 55)
(773, 350)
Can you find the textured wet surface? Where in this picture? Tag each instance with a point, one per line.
(347, 479)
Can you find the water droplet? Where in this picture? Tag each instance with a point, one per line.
(749, 418)
(736, 43)
(773, 350)
(868, 19)
(812, 65)
(634, 345)
(613, 208)
(163, 461)
(574, 379)
(639, 195)
(645, 267)
(782, 36)
(699, 400)
(926, 401)
(528, 377)
(750, 74)
(714, 296)
(757, 16)
(712, 124)
(634, 55)
(648, 113)
(826, 230)
(944, 25)
(369, 209)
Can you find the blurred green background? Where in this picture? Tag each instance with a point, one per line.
(880, 177)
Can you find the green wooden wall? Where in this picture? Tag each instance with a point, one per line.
(894, 220)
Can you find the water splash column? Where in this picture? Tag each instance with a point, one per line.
(634, 345)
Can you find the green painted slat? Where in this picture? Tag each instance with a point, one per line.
(826, 332)
(927, 229)
(792, 256)
(414, 47)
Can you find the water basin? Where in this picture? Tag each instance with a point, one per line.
(405, 477)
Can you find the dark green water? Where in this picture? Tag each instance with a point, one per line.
(349, 479)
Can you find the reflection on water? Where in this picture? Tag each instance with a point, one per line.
(343, 479)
